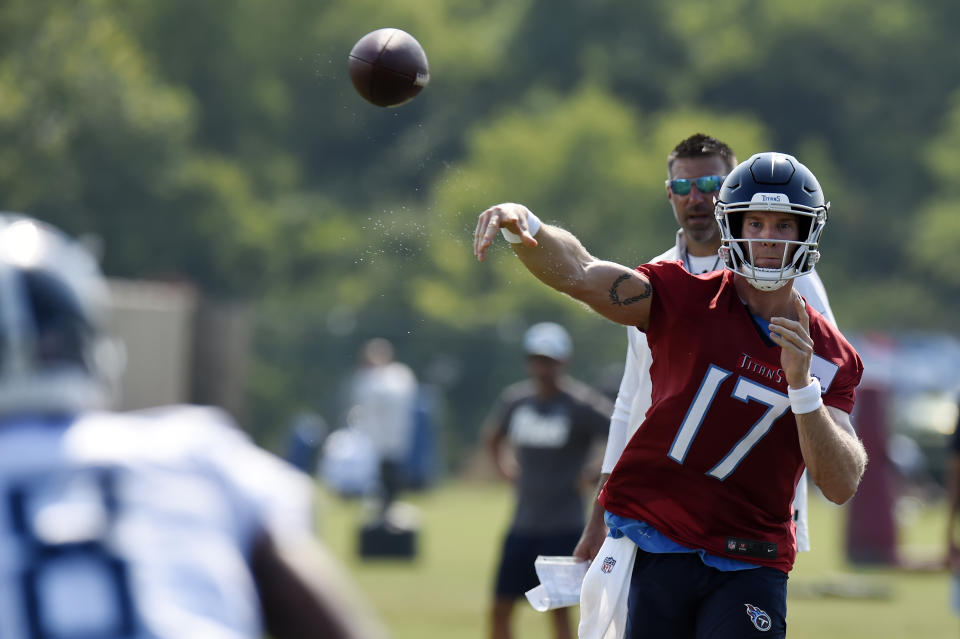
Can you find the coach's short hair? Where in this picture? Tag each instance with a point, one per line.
(701, 145)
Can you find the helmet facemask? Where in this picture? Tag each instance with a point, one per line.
(799, 256)
(776, 183)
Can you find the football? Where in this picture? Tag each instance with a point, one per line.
(388, 67)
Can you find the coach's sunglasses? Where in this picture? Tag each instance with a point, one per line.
(706, 184)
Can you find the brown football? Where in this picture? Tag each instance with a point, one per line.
(388, 67)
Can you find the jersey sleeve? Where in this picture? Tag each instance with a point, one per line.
(264, 492)
(811, 288)
(664, 276)
(841, 391)
(674, 291)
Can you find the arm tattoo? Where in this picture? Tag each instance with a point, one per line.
(615, 297)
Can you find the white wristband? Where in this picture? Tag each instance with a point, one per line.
(807, 399)
(533, 223)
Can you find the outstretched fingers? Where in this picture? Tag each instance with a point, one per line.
(488, 224)
(485, 233)
(513, 217)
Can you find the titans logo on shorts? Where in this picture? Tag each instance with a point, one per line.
(760, 619)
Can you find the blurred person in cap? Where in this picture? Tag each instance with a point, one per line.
(166, 523)
(549, 421)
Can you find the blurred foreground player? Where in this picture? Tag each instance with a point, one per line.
(161, 524)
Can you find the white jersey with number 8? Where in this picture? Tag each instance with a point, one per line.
(137, 525)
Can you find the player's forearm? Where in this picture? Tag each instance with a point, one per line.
(614, 291)
(559, 260)
(595, 519)
(835, 458)
(304, 592)
(597, 508)
(595, 530)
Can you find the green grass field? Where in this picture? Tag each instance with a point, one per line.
(444, 593)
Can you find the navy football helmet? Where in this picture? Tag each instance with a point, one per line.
(54, 355)
(771, 182)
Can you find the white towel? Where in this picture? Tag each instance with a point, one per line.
(603, 596)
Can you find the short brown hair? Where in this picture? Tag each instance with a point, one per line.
(701, 145)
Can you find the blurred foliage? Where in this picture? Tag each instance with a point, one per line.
(222, 143)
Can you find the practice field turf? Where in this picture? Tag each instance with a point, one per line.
(444, 593)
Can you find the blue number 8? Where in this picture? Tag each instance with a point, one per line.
(45, 555)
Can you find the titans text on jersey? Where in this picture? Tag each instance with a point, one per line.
(719, 430)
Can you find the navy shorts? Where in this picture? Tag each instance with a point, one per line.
(516, 574)
(676, 595)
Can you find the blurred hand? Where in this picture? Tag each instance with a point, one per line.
(507, 468)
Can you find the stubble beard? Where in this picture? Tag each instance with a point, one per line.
(702, 230)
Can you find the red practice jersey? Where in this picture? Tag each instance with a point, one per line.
(716, 461)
